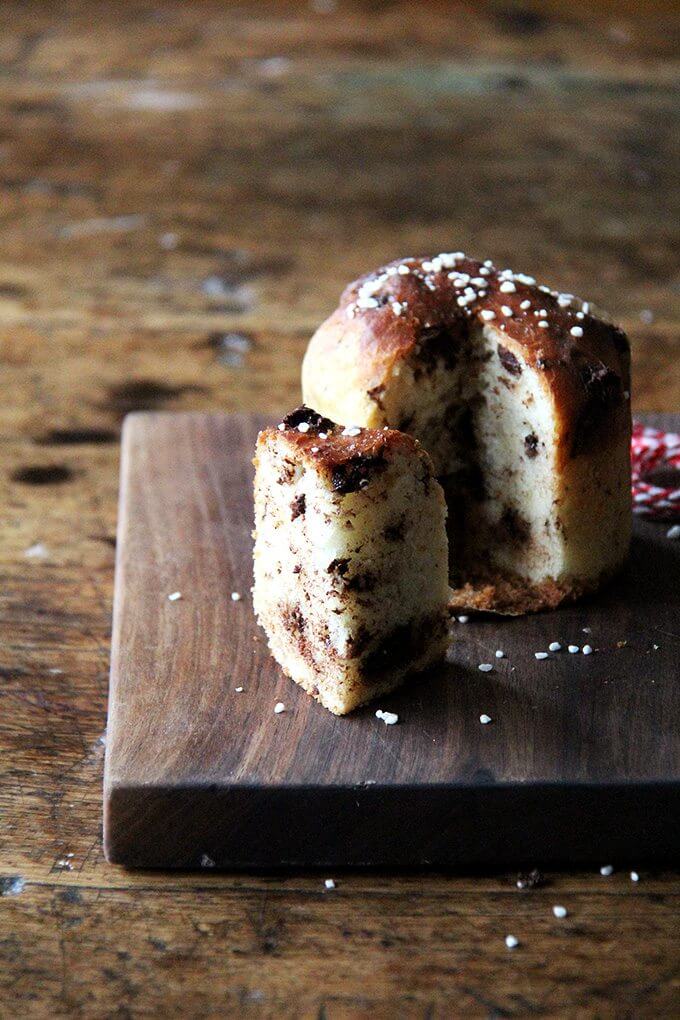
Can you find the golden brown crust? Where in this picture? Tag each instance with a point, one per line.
(514, 596)
(347, 455)
(384, 316)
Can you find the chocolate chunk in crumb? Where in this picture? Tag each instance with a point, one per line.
(509, 361)
(297, 507)
(439, 345)
(376, 394)
(515, 526)
(355, 473)
(531, 445)
(294, 621)
(306, 416)
(338, 567)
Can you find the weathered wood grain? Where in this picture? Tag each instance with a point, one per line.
(580, 763)
(287, 149)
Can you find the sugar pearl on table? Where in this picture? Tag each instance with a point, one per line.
(673, 532)
(236, 596)
(541, 655)
(500, 654)
(485, 719)
(175, 596)
(587, 650)
(329, 883)
(485, 667)
(463, 619)
(607, 870)
(389, 718)
(279, 707)
(573, 648)
(511, 942)
(555, 646)
(560, 911)
(634, 877)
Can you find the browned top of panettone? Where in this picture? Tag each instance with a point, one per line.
(348, 456)
(426, 305)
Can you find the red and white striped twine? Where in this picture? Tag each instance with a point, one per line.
(653, 450)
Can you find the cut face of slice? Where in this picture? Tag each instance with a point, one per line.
(350, 557)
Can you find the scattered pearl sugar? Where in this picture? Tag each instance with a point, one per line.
(560, 911)
(507, 311)
(607, 870)
(303, 426)
(279, 707)
(576, 331)
(36, 552)
(329, 883)
(587, 650)
(511, 942)
(389, 718)
(500, 654)
(487, 314)
(541, 655)
(239, 690)
(485, 719)
(485, 667)
(351, 430)
(175, 595)
(573, 648)
(507, 287)
(543, 323)
(463, 619)
(236, 596)
(673, 532)
(555, 646)
(634, 877)
(525, 304)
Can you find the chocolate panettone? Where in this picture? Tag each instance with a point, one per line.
(519, 394)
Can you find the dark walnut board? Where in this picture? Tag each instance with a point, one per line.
(580, 764)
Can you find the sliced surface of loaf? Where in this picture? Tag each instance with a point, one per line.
(350, 557)
(520, 395)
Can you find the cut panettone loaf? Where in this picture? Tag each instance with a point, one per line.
(521, 397)
(350, 557)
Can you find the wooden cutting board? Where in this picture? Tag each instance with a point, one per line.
(581, 763)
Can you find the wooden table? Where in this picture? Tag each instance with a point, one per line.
(184, 189)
